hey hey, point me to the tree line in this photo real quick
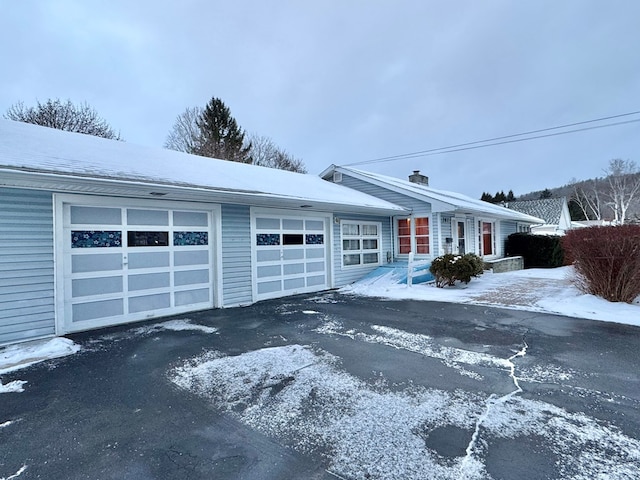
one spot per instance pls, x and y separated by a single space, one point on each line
209 131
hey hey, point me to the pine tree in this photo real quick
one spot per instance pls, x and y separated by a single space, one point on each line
511 197
499 197
486 197
546 193
220 137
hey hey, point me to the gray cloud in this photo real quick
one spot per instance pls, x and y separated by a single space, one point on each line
341 82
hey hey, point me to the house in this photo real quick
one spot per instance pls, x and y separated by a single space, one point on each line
553 211
96 232
435 221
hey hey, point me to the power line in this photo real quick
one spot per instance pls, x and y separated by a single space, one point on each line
473 145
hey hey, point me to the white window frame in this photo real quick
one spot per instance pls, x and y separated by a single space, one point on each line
414 244
360 237
494 237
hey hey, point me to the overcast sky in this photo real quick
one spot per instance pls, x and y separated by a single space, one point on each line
349 81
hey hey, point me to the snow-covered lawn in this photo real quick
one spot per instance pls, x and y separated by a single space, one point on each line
543 290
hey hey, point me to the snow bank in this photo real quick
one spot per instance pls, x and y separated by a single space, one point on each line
548 290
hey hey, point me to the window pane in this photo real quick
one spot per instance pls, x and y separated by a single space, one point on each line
148 239
422 245
370 244
101 215
147 217
292 239
370 230
370 258
404 244
350 229
351 259
351 244
422 226
404 227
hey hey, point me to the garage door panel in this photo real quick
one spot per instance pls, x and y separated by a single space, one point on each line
144 303
138 263
96 262
149 260
191 277
95 310
83 287
149 281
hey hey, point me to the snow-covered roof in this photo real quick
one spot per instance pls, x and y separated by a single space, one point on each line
441 200
32 156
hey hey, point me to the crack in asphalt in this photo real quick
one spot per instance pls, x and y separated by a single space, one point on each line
492 401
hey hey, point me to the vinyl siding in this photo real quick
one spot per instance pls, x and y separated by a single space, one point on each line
236 255
26 265
506 229
418 207
347 275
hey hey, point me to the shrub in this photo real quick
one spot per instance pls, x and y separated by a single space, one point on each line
607 260
449 268
538 251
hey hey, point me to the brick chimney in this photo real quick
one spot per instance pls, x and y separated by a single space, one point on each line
418 178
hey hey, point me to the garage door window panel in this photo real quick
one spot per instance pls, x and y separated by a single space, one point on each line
95 215
96 238
147 217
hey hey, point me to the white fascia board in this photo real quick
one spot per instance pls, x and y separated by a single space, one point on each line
120 188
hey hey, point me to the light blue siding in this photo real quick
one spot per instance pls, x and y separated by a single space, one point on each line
236 255
26 265
347 275
506 228
417 207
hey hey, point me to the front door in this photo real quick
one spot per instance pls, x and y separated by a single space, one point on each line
461 239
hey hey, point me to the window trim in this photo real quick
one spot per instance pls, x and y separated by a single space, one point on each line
413 237
360 237
494 237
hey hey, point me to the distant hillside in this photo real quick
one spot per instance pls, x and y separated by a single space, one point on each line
569 189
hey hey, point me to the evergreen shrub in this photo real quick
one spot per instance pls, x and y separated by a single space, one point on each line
606 260
538 251
449 268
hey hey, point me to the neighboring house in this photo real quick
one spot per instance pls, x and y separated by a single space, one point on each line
97 232
435 221
553 211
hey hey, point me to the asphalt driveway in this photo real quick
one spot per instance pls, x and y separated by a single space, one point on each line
328 386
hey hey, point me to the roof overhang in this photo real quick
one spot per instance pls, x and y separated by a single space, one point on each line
88 185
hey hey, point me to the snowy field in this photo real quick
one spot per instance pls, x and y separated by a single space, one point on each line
548 290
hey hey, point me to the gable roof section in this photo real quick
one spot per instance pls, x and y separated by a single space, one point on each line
32 156
548 209
440 200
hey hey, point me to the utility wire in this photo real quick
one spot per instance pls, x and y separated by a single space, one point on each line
473 145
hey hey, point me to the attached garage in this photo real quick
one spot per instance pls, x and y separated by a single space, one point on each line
291 253
96 232
120 263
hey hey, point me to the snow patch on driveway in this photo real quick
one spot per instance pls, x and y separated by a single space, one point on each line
302 397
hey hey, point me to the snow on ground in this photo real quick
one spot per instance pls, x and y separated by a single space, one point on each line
542 290
176 326
302 397
19 356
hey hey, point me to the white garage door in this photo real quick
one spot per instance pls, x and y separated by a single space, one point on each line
290 255
122 264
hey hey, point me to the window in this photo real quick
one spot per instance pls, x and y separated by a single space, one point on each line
422 235
413 237
360 243
486 234
404 235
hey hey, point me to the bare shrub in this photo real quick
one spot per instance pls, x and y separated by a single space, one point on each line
607 260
